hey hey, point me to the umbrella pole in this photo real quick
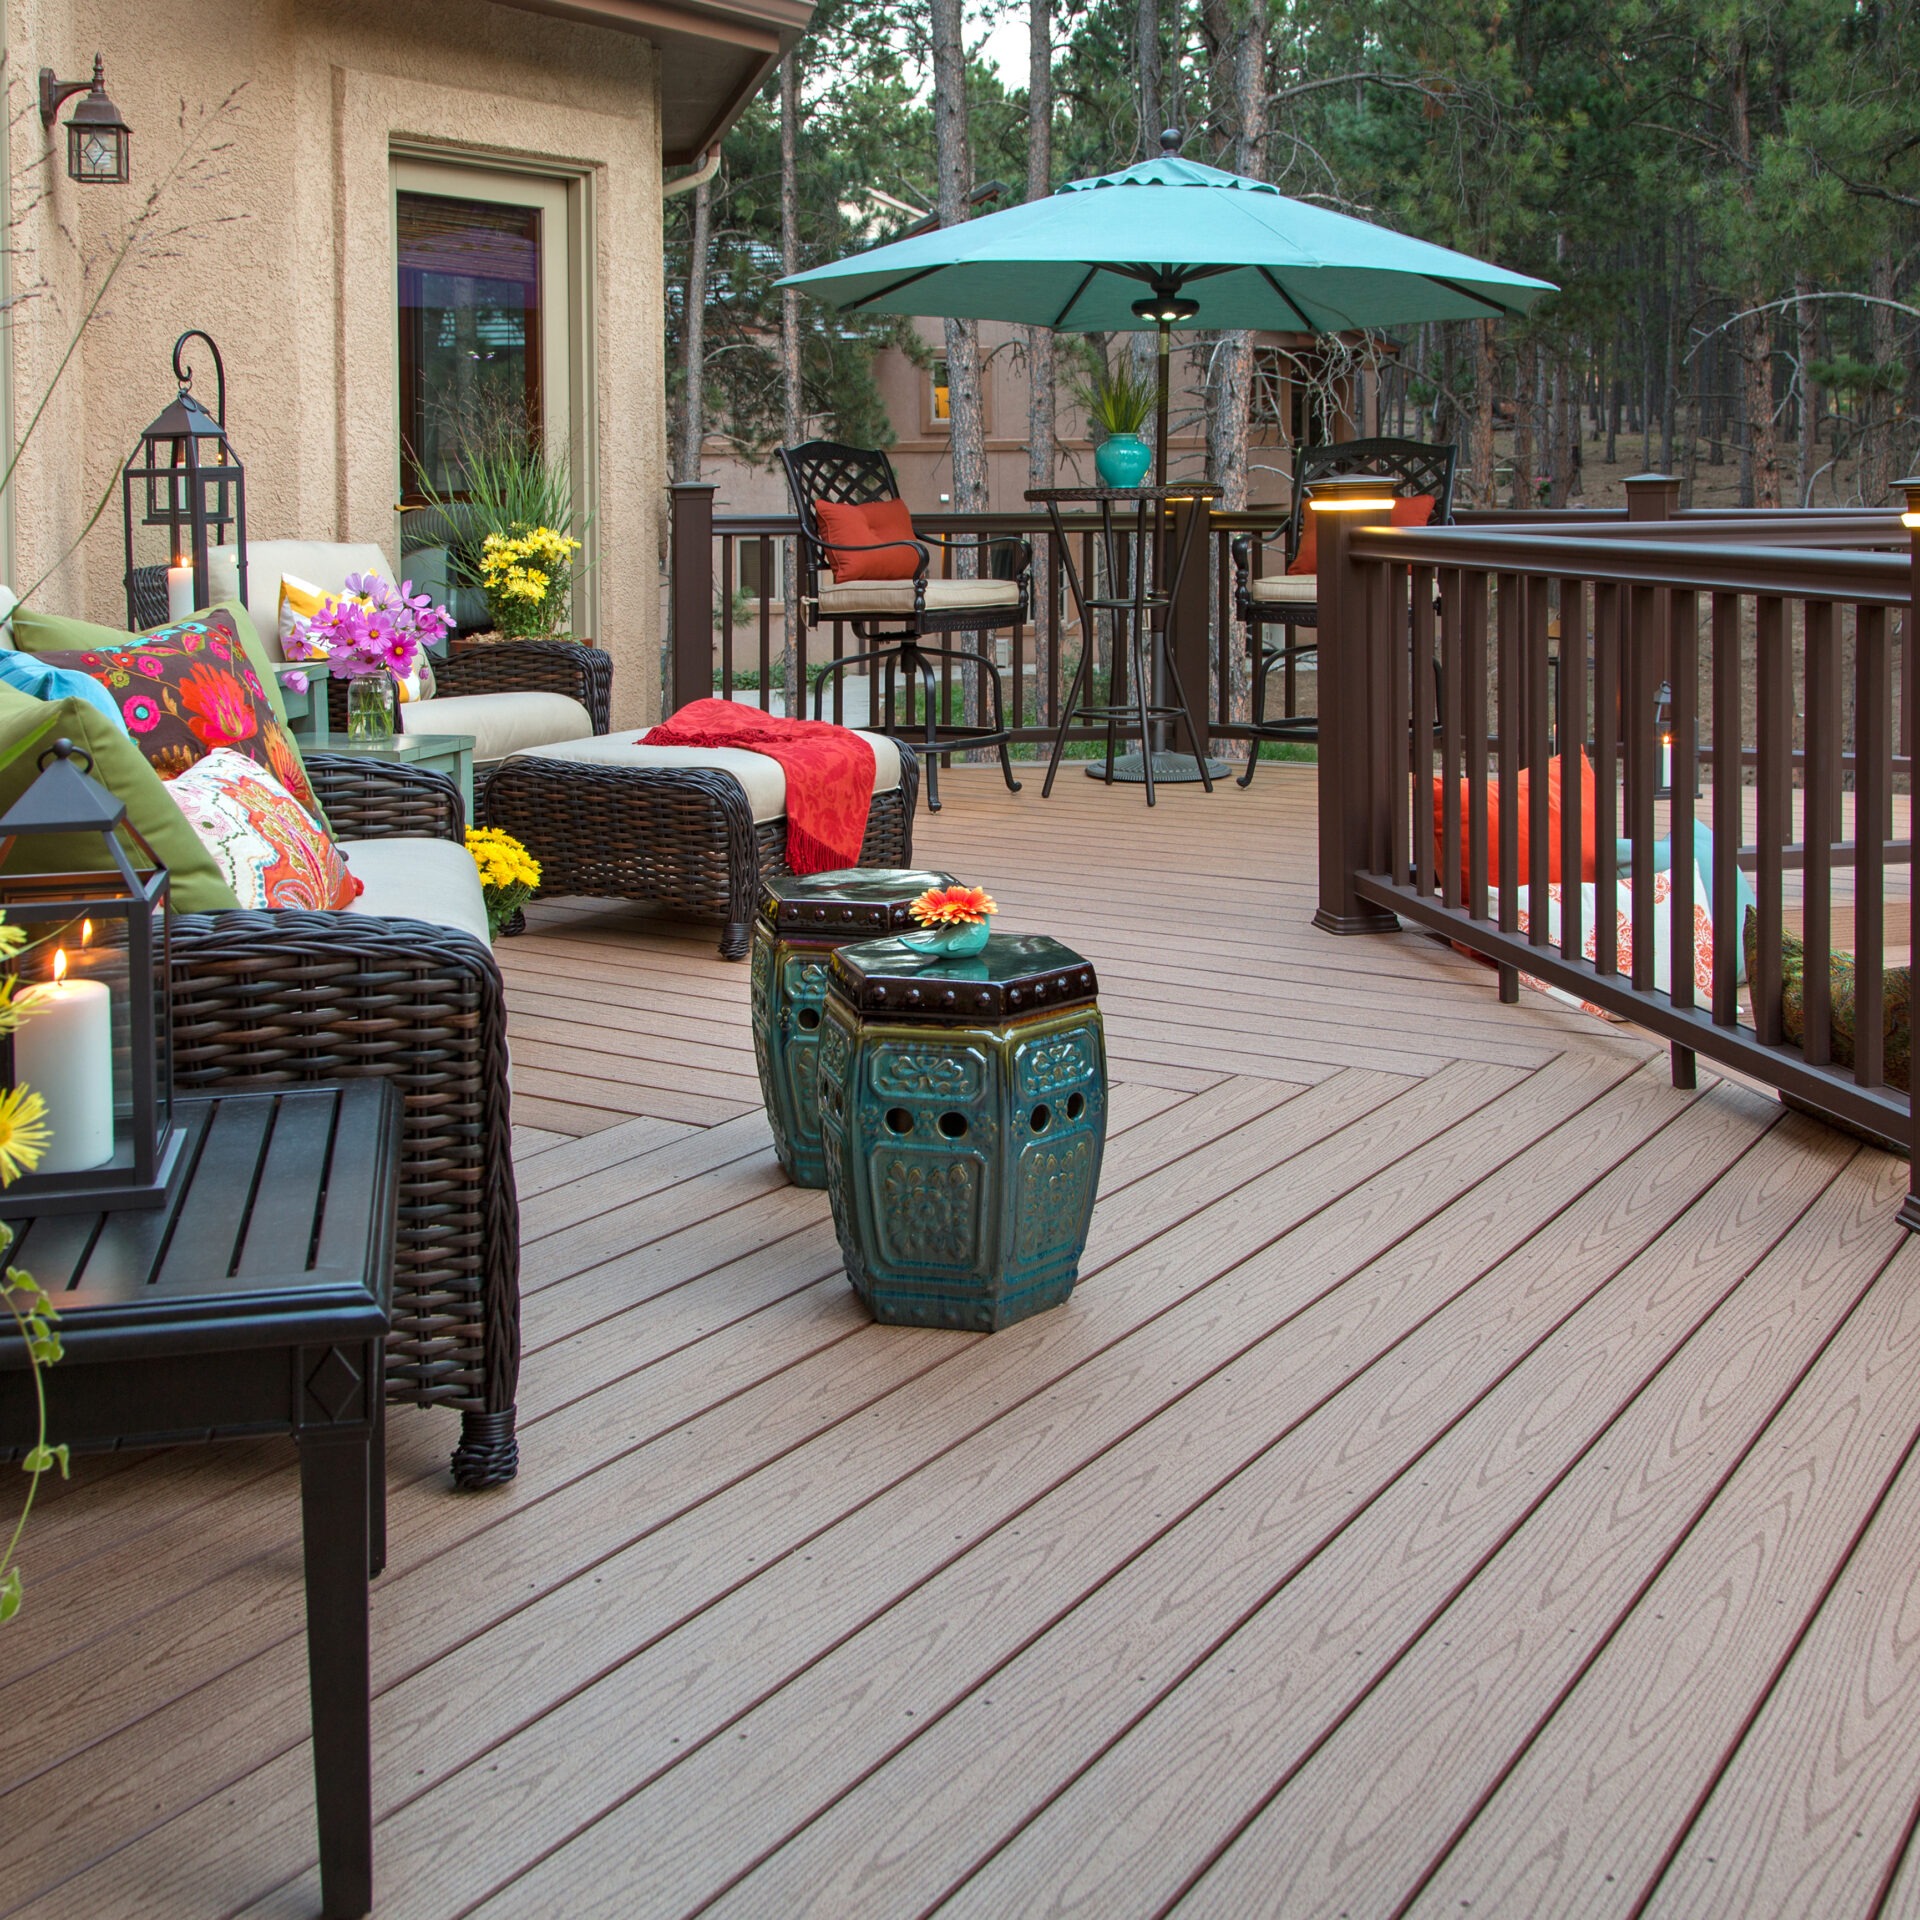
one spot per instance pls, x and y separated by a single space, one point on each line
1160 425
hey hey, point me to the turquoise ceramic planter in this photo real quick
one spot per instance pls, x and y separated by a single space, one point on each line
1122 460
801 919
963 1110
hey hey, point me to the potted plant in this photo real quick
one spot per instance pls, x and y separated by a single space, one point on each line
1118 403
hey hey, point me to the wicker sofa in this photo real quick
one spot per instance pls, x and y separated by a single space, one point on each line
292 996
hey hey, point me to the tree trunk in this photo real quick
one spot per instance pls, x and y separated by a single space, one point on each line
1146 27
1876 439
1760 450
1237 30
1486 366
1807 319
1042 449
792 404
1523 383
693 398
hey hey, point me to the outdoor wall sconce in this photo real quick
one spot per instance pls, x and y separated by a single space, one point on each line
97 1047
187 478
99 142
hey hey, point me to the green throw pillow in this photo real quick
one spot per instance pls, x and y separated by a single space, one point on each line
36 632
28 727
1896 1003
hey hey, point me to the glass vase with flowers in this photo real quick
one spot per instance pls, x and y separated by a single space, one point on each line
374 637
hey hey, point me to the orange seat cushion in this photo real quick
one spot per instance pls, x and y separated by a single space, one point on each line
867 526
1523 786
1411 510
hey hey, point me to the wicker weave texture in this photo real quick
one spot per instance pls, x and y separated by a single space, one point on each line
680 838
277 997
582 673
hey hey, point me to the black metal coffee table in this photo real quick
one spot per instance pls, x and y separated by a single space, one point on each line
253 1301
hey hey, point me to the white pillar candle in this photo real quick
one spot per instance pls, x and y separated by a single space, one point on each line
63 1050
180 593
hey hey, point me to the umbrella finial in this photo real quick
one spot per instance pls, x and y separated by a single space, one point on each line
1170 141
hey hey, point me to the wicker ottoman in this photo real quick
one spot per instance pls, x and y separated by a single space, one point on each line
691 829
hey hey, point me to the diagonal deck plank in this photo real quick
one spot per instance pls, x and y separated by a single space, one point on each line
1169 1596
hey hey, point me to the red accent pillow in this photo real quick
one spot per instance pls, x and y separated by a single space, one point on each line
1523 786
186 690
1409 510
867 526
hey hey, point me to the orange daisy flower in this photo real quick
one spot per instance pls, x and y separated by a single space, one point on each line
952 906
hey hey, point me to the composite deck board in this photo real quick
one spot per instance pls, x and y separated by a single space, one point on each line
1413 1330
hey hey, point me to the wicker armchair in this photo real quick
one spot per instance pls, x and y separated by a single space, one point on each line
892 617
1289 604
284 996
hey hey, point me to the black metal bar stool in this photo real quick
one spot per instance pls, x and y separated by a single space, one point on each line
1145 563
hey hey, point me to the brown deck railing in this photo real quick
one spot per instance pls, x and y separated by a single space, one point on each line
714 639
1455 658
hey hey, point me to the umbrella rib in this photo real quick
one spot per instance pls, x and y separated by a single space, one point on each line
881 293
1060 319
1467 293
1307 326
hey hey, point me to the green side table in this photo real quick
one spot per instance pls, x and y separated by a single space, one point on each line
802 919
448 753
306 706
963 1109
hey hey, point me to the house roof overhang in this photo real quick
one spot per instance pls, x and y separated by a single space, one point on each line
714 54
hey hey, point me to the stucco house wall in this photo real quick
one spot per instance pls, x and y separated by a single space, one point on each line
278 241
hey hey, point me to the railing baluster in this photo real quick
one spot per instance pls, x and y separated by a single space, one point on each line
727 578
1573 753
1453 707
1872 790
1774 699
1822 827
1606 737
1474 665
1420 745
1508 695
1641 746
1396 749
1533 631
766 622
1683 671
1729 826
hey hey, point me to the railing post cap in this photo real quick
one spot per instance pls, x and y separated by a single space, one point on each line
1910 486
1651 480
694 486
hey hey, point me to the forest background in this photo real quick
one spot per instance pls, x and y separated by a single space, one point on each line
1727 193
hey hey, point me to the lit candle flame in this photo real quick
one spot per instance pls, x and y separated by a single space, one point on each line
59 965
86 933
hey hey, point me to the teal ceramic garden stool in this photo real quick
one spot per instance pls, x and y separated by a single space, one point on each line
963 1106
802 918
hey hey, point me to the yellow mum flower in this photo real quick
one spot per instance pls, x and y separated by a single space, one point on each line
24 1136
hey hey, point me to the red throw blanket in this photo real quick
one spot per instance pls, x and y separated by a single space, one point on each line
829 774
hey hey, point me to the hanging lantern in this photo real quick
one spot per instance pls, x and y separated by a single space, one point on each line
185 478
94 1040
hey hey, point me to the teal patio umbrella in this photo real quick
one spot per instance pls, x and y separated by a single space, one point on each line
1171 243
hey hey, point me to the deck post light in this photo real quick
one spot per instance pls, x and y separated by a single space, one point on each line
99 142
187 478
95 1039
1910 487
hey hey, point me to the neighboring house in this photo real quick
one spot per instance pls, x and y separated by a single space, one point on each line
414 200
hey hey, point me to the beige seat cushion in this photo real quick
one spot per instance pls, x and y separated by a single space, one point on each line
764 781
1284 589
431 880
846 599
500 723
322 563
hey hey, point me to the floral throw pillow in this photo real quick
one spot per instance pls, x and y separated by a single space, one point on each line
271 849
188 689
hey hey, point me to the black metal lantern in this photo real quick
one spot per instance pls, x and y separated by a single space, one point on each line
186 478
94 1040
99 142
